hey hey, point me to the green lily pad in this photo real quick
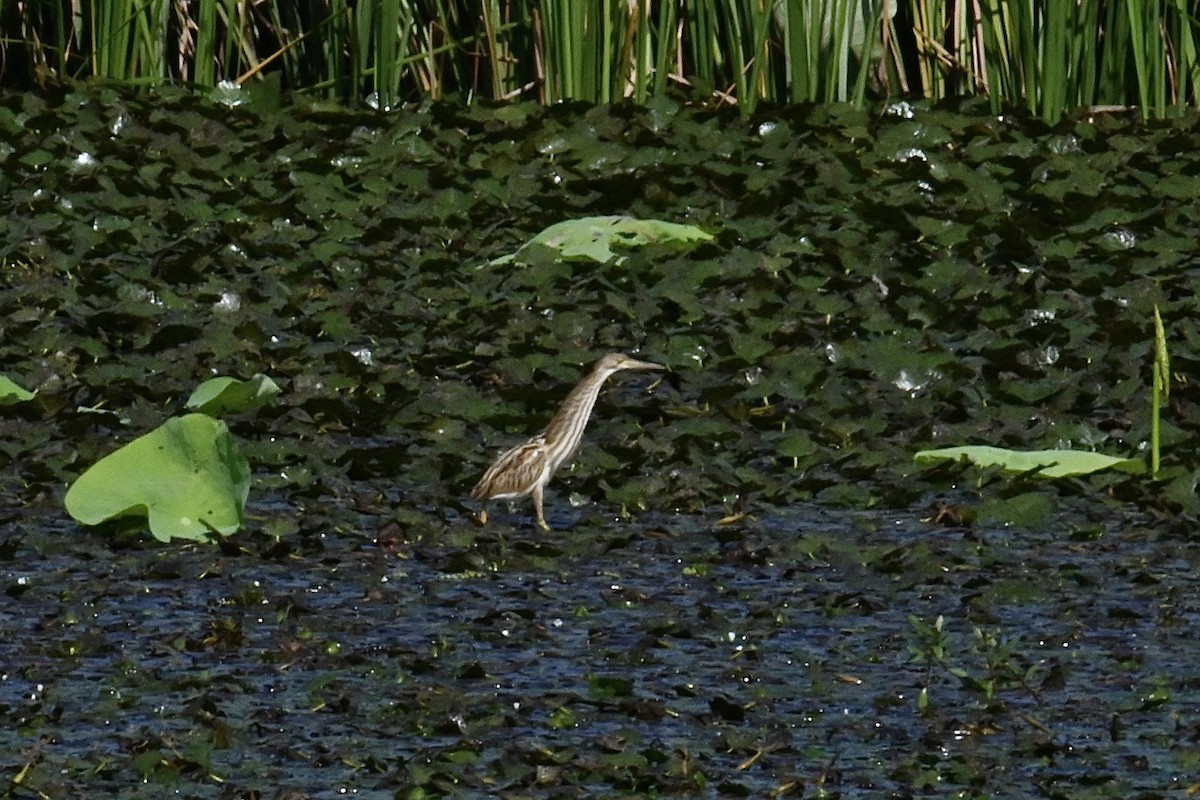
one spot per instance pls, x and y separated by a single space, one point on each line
599 238
11 393
1043 463
187 477
229 395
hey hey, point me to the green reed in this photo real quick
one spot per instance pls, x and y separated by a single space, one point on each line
1047 56
1160 390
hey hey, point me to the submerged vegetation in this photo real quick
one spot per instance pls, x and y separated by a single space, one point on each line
1046 57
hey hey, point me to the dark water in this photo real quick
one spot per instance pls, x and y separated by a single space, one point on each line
676 656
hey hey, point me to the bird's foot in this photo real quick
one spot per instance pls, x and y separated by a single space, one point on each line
482 518
543 525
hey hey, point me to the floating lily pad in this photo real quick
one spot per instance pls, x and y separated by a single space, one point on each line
1043 463
229 395
187 477
600 238
11 393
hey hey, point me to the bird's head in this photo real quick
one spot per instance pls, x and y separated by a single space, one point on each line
615 362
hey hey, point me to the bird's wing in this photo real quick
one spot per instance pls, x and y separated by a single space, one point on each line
515 473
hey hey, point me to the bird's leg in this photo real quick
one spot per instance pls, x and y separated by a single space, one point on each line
537 508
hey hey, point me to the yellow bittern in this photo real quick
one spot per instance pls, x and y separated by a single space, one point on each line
526 469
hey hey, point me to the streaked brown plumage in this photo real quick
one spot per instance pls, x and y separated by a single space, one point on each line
527 468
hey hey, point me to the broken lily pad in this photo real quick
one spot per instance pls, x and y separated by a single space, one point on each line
600 238
226 395
187 477
1042 463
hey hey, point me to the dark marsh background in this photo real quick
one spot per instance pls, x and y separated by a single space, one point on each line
744 593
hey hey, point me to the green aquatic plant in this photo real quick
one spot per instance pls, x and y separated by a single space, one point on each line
985 665
229 395
602 239
792 344
1067 463
187 477
1046 57
1160 390
1040 463
11 392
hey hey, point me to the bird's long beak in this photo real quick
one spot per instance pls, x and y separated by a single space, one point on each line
633 363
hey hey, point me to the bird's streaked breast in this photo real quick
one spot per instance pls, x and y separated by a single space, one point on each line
515 473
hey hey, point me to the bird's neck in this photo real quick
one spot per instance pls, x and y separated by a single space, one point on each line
568 424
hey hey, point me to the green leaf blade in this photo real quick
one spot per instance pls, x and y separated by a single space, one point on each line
226 395
1042 463
187 477
12 393
602 239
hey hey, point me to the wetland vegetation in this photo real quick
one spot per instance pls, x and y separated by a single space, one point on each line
1047 57
753 589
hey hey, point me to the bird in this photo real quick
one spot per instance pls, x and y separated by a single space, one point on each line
527 468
